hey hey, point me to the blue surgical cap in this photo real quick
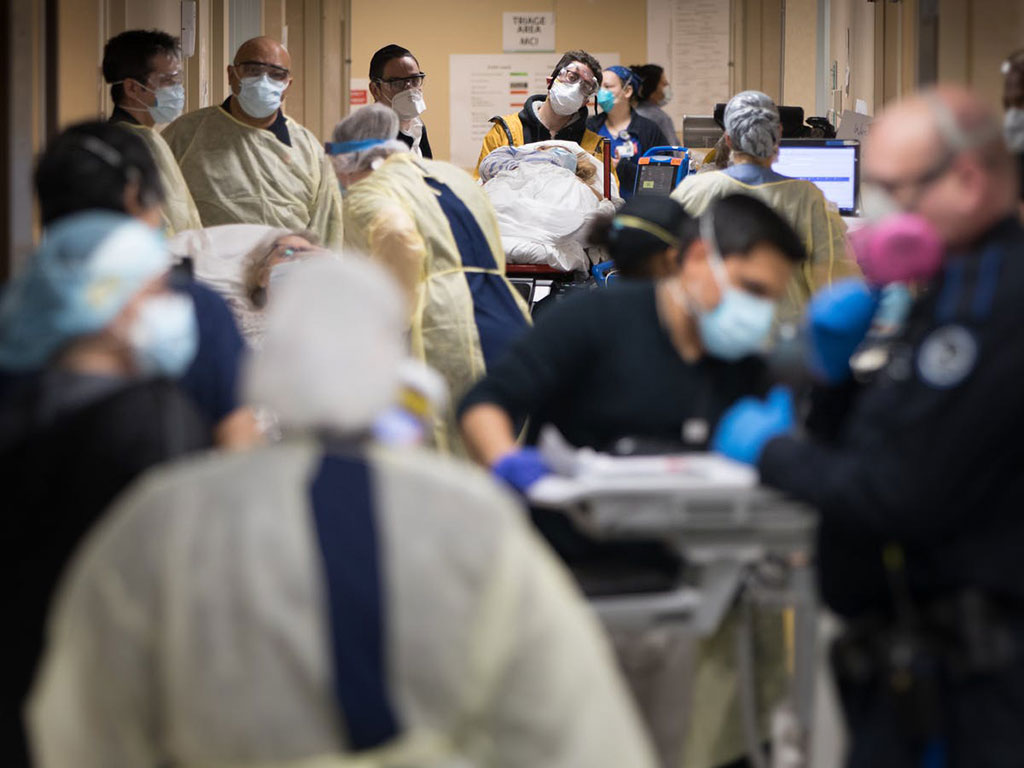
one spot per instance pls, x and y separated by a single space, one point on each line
88 267
627 76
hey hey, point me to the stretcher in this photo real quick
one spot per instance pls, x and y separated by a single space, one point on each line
743 546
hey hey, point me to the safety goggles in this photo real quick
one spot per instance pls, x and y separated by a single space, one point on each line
402 83
258 69
571 75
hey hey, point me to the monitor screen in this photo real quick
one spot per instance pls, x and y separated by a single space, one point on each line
656 179
831 165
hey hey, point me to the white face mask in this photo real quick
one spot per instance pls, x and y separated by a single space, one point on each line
565 99
1013 129
165 336
409 103
666 96
260 96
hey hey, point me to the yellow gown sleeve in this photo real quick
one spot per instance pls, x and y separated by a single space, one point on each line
326 217
179 212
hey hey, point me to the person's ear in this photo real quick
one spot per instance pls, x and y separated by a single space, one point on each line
134 91
728 141
375 91
287 88
549 81
234 83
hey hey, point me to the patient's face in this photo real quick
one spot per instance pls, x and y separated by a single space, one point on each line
285 249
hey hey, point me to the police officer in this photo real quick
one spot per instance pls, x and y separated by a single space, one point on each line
918 475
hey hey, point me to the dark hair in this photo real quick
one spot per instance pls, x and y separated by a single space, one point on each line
743 222
650 79
632 248
1013 82
89 165
380 59
129 56
581 56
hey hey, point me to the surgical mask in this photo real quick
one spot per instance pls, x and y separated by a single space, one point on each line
899 248
409 104
1013 129
605 99
740 324
165 336
565 99
666 96
260 97
170 102
564 158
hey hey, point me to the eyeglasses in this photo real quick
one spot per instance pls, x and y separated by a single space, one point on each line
919 183
259 68
402 83
571 76
167 79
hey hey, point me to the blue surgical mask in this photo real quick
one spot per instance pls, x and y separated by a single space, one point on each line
165 335
260 96
170 101
740 324
605 99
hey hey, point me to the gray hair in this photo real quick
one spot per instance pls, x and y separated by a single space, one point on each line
373 122
752 122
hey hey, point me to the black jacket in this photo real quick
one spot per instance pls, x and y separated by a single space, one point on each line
928 456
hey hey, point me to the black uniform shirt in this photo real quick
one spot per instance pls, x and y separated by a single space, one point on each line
930 455
600 366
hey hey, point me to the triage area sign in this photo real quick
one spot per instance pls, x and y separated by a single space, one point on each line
528 31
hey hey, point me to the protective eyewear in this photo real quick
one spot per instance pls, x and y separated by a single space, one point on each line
166 80
572 76
402 83
920 183
259 68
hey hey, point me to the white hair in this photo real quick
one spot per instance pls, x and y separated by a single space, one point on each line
335 341
373 122
752 122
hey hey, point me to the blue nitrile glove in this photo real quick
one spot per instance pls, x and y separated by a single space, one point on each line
747 427
838 319
521 468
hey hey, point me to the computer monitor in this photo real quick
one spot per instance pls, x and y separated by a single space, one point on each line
700 131
832 165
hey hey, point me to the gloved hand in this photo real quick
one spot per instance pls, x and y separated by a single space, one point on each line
747 427
521 468
838 319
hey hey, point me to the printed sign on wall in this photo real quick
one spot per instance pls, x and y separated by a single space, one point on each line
528 31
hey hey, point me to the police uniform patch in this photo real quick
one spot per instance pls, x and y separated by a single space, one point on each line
947 356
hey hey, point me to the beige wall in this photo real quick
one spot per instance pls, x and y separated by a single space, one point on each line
435 30
858 17
974 38
800 86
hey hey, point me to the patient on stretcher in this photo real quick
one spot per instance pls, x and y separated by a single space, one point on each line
546 195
